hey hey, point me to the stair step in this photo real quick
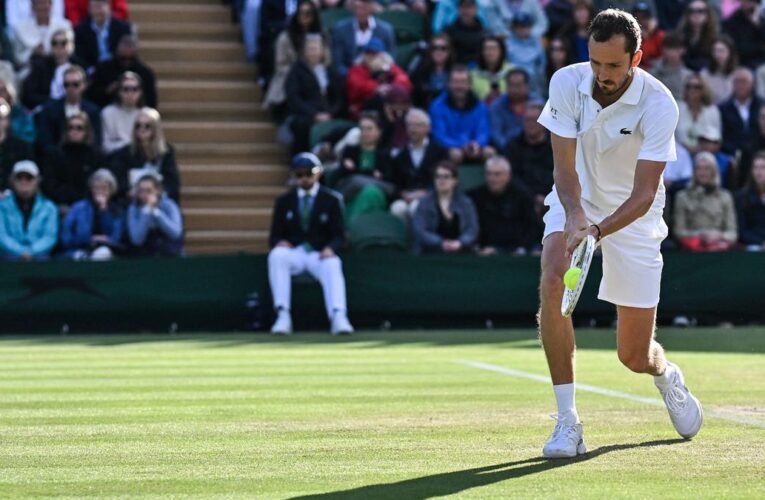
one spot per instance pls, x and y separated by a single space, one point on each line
216 153
159 51
179 12
220 132
209 32
214 219
191 71
226 241
230 196
233 175
210 90
215 111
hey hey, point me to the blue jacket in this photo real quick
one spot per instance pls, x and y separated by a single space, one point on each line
506 125
453 128
77 229
158 231
41 233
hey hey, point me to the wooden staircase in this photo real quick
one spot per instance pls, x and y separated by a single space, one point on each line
231 166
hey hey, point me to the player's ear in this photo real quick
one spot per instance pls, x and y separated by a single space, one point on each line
636 59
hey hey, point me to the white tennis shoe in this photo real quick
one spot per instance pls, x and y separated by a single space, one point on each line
283 323
684 409
340 324
566 441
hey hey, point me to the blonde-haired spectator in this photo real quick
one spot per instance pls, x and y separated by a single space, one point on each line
697 113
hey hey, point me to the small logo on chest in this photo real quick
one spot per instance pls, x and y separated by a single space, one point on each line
624 131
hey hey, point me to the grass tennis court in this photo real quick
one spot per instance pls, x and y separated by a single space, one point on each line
377 415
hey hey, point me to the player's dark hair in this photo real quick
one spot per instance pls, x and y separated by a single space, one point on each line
613 22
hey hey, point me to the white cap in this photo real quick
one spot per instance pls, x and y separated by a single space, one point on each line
26 167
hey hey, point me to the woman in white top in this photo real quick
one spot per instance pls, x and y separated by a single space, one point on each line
719 74
697 113
118 119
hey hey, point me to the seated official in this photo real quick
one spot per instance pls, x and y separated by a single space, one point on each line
412 168
506 214
93 227
445 220
28 220
154 222
307 231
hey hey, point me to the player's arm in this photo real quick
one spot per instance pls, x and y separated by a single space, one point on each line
647 178
569 189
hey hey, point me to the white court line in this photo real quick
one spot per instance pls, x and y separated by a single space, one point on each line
605 392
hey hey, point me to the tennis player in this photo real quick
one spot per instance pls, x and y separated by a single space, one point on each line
612 127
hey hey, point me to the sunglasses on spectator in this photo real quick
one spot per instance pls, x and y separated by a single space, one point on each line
303 173
59 43
72 85
698 11
557 48
78 127
129 89
305 12
444 177
143 126
439 47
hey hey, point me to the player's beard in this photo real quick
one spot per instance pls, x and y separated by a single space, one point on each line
619 87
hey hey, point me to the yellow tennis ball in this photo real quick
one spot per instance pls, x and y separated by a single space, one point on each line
571 278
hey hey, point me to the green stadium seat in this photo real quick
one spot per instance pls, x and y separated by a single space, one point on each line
408 26
404 53
330 17
320 130
376 231
471 176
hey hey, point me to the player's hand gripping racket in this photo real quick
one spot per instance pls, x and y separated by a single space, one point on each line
581 259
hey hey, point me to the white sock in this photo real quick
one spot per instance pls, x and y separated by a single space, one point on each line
665 378
565 397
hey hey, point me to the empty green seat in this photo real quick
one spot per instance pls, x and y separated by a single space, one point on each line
378 230
471 176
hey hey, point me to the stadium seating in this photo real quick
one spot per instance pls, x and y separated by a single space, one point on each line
377 231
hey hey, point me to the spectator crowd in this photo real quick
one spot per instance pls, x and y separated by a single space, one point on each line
405 100
85 170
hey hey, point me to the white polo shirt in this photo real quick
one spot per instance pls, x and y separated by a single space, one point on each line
610 141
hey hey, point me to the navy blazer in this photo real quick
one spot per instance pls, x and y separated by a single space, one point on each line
51 122
344 50
86 43
735 135
325 229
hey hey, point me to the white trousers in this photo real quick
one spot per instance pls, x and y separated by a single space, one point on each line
284 263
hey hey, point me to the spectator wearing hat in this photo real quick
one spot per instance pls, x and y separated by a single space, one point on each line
670 69
313 92
93 227
412 168
506 216
652 36
747 29
28 220
104 86
697 112
750 207
489 75
445 220
704 213
506 113
532 157
96 38
32 36
12 149
373 75
460 120
466 33
154 221
526 51
739 113
68 166
51 121
350 35
307 232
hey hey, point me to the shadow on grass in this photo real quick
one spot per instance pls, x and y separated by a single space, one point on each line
450 483
737 340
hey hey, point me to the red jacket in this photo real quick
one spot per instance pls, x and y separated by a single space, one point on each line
77 10
361 85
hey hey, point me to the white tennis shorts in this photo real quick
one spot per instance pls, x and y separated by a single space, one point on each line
632 260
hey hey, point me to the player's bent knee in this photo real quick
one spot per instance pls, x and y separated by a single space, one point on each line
637 362
551 282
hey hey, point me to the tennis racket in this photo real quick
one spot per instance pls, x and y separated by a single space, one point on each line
581 258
